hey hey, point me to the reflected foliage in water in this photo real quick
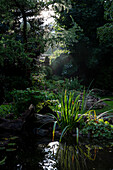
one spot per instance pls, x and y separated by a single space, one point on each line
80 157
29 153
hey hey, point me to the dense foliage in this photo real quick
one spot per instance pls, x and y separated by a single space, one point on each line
84 34
21 40
86 28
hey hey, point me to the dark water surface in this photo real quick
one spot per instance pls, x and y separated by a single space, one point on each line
34 153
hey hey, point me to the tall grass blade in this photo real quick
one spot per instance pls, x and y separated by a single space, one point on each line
75 104
77 110
54 127
95 116
62 110
101 100
70 103
102 114
66 109
2 162
89 91
63 132
110 116
77 135
84 102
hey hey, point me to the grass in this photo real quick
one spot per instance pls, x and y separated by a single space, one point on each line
108 107
69 109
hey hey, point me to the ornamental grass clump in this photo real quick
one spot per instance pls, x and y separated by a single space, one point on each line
68 114
72 113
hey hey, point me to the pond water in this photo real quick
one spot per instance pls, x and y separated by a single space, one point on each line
34 153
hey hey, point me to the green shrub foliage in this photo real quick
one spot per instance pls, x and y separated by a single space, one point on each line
90 40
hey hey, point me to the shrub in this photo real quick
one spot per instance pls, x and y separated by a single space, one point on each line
73 83
23 98
96 127
5 109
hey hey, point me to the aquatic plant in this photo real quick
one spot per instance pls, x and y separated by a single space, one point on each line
72 113
71 156
69 113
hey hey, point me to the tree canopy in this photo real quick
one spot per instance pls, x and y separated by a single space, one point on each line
19 45
92 45
83 27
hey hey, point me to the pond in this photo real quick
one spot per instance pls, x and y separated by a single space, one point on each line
34 153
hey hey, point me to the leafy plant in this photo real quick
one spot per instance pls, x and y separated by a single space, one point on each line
23 98
5 109
96 126
72 112
98 129
70 109
73 83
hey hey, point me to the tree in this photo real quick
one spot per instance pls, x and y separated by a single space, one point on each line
21 10
94 44
19 47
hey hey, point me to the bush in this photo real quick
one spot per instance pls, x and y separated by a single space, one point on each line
23 98
5 109
73 83
98 129
15 65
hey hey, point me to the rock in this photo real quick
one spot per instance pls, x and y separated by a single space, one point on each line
19 124
28 113
42 119
41 132
13 125
44 124
101 92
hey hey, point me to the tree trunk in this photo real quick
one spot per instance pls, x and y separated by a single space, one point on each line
24 29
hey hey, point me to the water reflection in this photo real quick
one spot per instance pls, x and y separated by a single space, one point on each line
26 156
28 153
50 160
77 157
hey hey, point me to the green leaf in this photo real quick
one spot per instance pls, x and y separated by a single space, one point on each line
13 137
63 132
66 110
11 149
11 144
54 127
2 162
